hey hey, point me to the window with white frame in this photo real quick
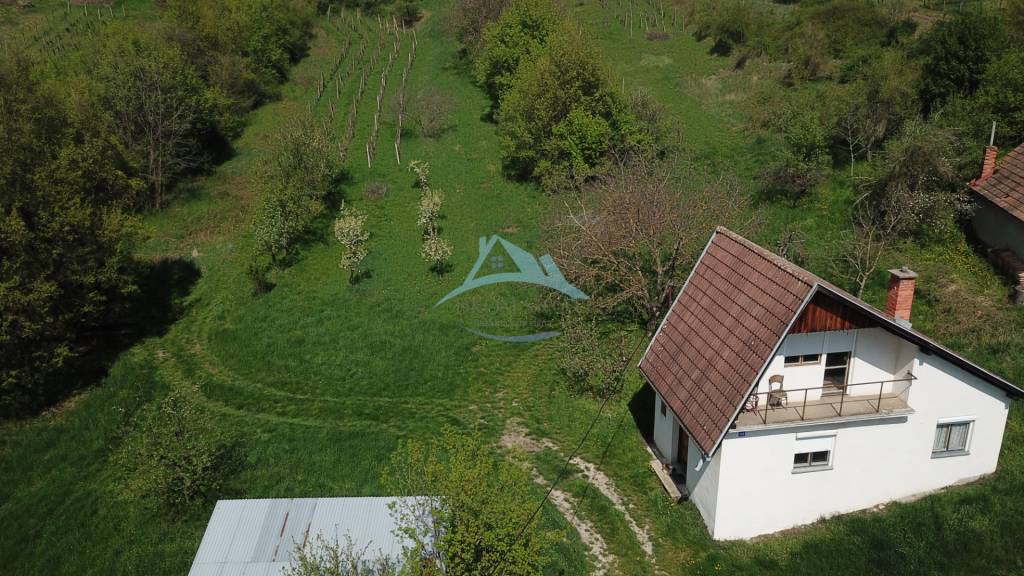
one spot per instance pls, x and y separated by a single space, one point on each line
951 438
802 359
813 451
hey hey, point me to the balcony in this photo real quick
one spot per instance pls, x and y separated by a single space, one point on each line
850 401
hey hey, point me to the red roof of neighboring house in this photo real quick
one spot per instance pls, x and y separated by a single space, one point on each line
1005 187
728 322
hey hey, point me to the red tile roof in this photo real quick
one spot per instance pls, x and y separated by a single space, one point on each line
721 331
727 323
1005 188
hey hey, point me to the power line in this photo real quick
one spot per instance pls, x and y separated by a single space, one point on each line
572 455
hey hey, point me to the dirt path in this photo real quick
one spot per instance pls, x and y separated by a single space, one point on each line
605 486
516 436
567 505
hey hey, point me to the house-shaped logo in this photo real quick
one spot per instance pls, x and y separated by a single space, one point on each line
527 269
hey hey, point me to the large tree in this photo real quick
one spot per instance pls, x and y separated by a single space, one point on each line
65 262
158 104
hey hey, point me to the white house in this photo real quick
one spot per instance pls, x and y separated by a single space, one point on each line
782 399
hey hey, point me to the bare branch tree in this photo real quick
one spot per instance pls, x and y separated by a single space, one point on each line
913 190
630 237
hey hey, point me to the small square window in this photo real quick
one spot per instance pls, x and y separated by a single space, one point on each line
951 438
811 460
664 412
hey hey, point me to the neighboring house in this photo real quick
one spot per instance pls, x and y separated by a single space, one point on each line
258 537
999 212
781 399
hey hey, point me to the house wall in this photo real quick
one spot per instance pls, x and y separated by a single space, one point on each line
998 229
701 474
877 356
702 477
666 431
873 461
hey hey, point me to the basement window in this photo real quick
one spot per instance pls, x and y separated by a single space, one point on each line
951 439
813 451
803 359
812 460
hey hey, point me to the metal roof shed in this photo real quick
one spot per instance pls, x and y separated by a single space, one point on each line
258 537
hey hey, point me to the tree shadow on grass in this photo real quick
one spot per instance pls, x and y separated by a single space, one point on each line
159 302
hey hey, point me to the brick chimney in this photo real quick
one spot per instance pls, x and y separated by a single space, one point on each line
901 294
988 166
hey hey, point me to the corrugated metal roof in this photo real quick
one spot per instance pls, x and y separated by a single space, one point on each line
258 537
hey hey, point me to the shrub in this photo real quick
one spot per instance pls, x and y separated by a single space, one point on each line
469 19
304 158
731 24
805 160
431 113
791 178
592 362
955 54
297 183
521 32
913 188
257 271
478 517
560 118
1002 96
175 454
350 231
429 209
375 190
436 251
407 12
333 558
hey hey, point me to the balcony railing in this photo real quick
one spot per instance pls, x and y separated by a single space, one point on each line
802 404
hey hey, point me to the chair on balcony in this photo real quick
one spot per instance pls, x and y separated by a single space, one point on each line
776 394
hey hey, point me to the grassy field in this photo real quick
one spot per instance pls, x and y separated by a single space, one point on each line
321 378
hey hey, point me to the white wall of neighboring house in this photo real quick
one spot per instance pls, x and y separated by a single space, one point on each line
998 229
872 461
